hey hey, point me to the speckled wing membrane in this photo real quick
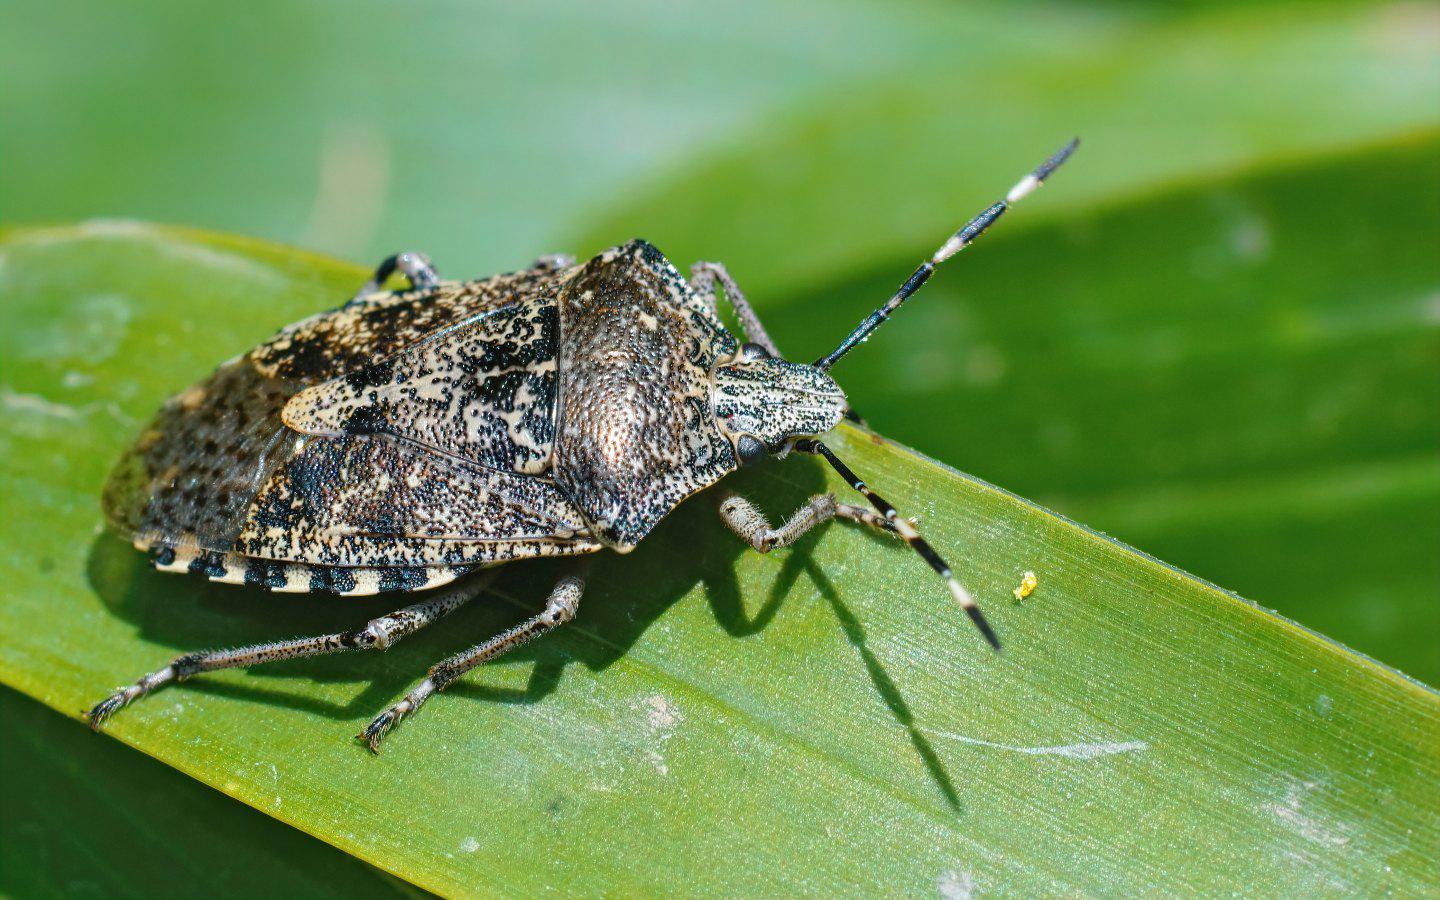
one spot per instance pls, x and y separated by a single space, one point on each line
385 482
482 390
374 327
379 501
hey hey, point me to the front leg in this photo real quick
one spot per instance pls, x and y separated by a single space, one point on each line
743 518
416 267
704 276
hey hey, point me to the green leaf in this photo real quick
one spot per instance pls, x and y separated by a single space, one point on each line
1239 376
715 721
92 818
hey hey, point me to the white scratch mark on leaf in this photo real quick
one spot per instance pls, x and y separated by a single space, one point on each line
662 717
84 332
274 780
1291 812
1070 751
169 242
956 885
37 416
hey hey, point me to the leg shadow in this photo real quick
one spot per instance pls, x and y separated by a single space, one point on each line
187 613
624 596
884 685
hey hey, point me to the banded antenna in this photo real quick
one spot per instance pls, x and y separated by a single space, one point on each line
957 242
908 533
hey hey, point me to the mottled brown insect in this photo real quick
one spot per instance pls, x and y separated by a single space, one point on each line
408 438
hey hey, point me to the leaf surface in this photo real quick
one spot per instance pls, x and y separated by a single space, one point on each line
715 720
1242 377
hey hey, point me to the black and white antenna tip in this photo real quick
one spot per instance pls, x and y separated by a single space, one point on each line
972 609
1025 186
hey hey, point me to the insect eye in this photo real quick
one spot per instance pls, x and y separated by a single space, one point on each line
749 449
754 351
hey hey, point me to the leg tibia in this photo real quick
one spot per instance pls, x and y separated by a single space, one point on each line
561 608
377 634
564 601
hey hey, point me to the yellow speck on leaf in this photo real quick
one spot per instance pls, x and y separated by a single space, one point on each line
1028 582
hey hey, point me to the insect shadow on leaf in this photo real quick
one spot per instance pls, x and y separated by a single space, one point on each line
627 594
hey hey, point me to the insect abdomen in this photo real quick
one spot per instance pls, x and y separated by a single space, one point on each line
191 476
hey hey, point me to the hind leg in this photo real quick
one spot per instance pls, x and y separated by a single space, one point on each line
377 634
559 609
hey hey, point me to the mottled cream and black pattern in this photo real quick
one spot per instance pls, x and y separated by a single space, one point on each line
408 436
202 487
637 430
482 390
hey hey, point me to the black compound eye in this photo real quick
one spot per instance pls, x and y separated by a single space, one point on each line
754 351
749 449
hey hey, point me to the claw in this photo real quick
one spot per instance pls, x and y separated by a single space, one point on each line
375 732
123 697
106 708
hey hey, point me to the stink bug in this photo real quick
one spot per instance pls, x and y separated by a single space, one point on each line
406 438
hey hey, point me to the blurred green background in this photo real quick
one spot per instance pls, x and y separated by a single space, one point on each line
1215 336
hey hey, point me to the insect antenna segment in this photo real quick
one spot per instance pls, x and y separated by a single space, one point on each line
906 530
957 242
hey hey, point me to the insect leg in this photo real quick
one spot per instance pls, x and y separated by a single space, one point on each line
552 261
416 268
906 529
743 518
564 601
703 277
377 634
